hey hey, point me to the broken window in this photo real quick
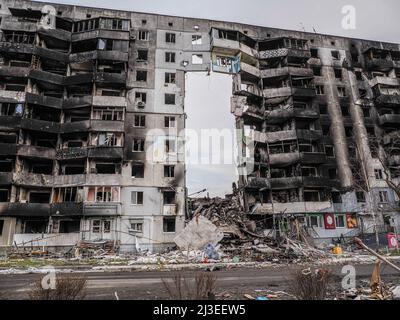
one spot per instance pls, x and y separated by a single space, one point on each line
378 174
169 171
111 93
170 37
348 132
345 111
309 172
4 195
109 140
143 55
340 220
197 59
19 37
383 196
315 221
360 195
169 197
366 112
67 226
170 57
317 71
169 224
311 196
6 165
196 40
338 73
359 76
141 75
68 194
106 168
139 121
170 122
138 171
342 91
39 197
170 77
143 35
108 113
138 145
35 226
319 90
114 24
335 55
11 109
169 99
1 227
137 197
96 226
323 109
332 173
103 194
336 197
141 97
314 53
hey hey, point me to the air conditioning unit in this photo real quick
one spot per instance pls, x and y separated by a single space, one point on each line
140 104
132 37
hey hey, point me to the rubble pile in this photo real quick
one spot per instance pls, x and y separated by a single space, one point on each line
243 239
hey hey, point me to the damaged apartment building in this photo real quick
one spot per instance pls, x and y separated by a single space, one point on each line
92 117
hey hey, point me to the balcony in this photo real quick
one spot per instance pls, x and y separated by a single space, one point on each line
232 47
258 183
8 149
18 209
73 127
308 92
249 69
286 183
389 119
388 100
170 210
32 179
282 115
43 101
101 209
286 71
13 24
285 52
77 79
110 78
110 126
394 160
72 153
50 54
106 153
104 101
40 125
13 72
57 34
384 81
36 152
293 207
10 123
99 179
12 96
320 182
16 48
283 159
99 33
69 180
99 55
48 77
273 137
383 65
47 239
67 209
77 102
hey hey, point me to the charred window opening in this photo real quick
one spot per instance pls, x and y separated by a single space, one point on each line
106 168
348 132
345 111
67 226
138 171
138 145
330 151
169 171
141 75
1 227
314 53
320 90
323 109
142 55
73 167
11 109
338 73
8 138
317 71
169 99
310 172
39 197
360 195
4 195
169 198
283 147
312 196
39 139
104 139
366 112
169 224
111 93
141 97
336 197
335 55
342 91
359 76
170 145
18 37
39 167
332 173
6 165
143 35
43 113
35 226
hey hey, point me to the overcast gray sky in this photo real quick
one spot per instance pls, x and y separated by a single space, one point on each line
208 106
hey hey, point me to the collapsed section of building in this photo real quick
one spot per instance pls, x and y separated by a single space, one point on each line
92 112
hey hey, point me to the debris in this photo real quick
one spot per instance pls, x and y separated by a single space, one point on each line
210 252
249 297
198 233
396 293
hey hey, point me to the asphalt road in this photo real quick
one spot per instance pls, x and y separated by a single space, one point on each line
148 285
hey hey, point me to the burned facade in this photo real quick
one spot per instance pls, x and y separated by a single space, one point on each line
92 112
